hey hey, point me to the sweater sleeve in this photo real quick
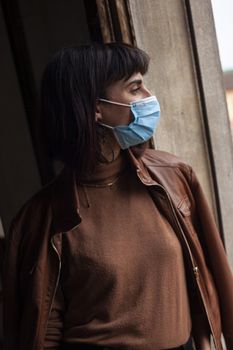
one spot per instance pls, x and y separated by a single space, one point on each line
54 331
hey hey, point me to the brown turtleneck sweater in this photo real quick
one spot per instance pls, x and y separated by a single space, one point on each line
123 278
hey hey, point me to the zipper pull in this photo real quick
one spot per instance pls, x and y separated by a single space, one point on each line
196 272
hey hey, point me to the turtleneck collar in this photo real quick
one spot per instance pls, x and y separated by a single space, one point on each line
106 172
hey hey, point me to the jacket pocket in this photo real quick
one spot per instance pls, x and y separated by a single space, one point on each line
27 280
184 206
33 269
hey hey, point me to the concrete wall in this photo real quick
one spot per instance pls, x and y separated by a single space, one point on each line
161 30
185 74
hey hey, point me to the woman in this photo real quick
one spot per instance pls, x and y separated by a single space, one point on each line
120 250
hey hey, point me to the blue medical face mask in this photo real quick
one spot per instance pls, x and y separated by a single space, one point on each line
146 114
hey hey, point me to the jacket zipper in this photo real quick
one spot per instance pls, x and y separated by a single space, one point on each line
195 268
57 280
58 276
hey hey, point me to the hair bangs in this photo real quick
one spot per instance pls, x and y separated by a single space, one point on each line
123 61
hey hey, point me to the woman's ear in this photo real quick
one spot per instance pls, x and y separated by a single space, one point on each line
98 112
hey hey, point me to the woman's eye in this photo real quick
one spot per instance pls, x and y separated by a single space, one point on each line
135 90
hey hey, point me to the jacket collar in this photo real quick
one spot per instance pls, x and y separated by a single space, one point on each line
65 201
139 163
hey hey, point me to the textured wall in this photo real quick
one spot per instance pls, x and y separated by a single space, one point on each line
163 30
160 28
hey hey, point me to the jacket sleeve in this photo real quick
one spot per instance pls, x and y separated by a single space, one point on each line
217 260
11 304
54 331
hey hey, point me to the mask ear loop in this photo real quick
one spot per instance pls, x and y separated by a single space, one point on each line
114 103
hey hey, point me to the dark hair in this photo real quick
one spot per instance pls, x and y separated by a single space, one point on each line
72 82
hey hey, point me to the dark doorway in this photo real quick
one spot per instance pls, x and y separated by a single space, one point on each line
32 31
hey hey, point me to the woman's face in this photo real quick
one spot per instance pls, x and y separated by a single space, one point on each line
121 91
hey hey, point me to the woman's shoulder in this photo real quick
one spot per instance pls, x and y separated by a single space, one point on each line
159 158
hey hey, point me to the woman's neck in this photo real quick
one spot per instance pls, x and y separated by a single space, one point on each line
110 149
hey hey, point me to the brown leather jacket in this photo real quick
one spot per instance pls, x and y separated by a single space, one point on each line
33 258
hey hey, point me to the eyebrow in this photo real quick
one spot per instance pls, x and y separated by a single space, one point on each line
136 81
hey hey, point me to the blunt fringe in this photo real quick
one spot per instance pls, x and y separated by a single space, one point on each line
71 83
